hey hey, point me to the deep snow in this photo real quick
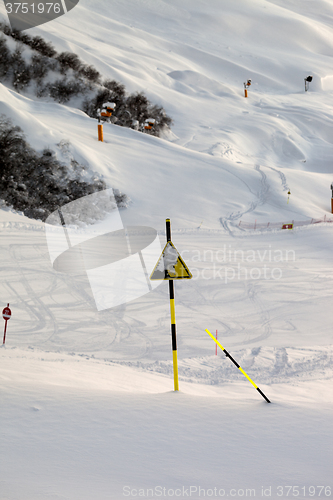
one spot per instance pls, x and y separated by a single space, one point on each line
87 402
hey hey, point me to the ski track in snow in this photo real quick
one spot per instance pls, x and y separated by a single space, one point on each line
116 328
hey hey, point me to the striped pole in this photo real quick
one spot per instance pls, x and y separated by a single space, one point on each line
173 318
236 364
216 345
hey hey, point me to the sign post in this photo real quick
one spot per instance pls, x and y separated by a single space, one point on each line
247 84
6 314
307 80
170 266
287 226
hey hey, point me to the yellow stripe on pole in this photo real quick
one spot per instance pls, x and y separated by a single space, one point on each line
217 342
236 364
175 371
246 375
173 311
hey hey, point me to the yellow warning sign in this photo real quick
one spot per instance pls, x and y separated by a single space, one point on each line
170 266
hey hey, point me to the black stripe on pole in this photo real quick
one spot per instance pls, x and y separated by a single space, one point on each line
62 220
263 395
174 339
168 229
173 325
236 364
232 359
171 290
168 237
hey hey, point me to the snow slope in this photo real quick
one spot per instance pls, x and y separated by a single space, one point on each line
87 403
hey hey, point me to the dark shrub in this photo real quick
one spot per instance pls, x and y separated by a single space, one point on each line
112 92
135 108
90 73
37 184
6 29
5 58
68 60
21 72
12 146
36 43
62 90
137 105
20 37
162 119
39 67
118 89
90 106
44 48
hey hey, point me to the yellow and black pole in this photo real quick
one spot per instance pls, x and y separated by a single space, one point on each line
170 266
173 317
239 368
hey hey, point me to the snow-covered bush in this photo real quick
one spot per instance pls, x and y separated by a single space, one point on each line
4 58
90 73
129 109
21 75
40 67
111 91
64 76
38 184
63 90
68 60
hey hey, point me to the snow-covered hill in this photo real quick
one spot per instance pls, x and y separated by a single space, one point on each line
87 409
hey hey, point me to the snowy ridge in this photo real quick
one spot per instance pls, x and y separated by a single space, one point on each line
266 365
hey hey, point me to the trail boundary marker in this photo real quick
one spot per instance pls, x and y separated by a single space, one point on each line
236 364
170 266
6 314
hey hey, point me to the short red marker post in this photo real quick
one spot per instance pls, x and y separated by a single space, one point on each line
6 314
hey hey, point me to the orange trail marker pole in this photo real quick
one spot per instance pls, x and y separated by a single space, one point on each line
100 132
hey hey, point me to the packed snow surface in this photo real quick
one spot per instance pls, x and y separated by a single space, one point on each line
87 402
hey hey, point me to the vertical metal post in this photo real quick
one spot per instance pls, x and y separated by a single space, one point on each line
100 132
173 318
4 335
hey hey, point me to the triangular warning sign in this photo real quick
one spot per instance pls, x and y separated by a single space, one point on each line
170 266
